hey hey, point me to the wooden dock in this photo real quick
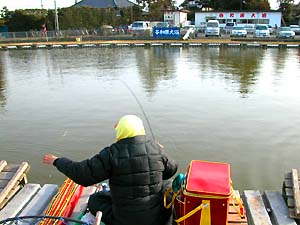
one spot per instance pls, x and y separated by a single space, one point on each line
18 198
200 43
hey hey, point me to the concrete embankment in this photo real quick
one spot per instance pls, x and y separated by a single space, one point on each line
213 42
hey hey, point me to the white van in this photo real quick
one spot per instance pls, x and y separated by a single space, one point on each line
212 28
141 28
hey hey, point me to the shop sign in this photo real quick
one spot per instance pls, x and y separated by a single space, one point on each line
164 32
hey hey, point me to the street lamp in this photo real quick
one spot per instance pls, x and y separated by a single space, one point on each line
56 19
241 4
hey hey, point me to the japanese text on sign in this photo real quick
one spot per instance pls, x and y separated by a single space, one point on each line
164 32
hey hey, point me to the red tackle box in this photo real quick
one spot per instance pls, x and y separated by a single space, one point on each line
209 184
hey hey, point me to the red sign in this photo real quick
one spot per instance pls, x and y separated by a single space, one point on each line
231 15
264 15
253 15
242 15
221 15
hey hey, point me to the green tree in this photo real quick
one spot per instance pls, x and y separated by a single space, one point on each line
25 20
286 7
155 7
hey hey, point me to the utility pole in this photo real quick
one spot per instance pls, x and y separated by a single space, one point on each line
56 20
41 4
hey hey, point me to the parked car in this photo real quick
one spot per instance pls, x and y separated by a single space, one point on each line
296 29
249 28
229 26
261 31
122 29
212 28
106 30
285 32
141 28
159 24
238 31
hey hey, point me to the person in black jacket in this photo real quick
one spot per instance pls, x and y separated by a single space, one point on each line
138 171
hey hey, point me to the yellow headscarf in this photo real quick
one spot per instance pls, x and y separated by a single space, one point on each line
129 126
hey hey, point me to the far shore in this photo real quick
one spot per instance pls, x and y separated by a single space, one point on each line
73 41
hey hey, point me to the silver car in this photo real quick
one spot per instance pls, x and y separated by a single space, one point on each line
238 31
261 31
295 28
285 32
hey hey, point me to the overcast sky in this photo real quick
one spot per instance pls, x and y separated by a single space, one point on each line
32 4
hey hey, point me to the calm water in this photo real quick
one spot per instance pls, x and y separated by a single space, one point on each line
240 106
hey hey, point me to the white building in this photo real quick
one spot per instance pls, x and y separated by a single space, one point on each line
241 17
176 18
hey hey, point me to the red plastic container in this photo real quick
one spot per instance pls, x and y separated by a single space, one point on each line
207 183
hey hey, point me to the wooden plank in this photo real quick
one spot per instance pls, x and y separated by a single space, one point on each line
11 168
235 218
279 210
290 202
3 164
257 212
289 192
296 191
233 214
288 176
39 203
20 200
81 205
13 182
3 184
6 175
288 183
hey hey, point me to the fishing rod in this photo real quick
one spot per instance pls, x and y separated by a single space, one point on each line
42 217
141 107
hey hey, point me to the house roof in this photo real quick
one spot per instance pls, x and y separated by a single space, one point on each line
105 3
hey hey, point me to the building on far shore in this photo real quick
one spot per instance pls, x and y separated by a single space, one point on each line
176 18
240 17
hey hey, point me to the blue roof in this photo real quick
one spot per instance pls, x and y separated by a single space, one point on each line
105 3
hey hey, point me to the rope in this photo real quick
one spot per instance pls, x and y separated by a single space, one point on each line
202 206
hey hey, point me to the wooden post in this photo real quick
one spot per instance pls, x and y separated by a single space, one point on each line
3 164
296 191
19 175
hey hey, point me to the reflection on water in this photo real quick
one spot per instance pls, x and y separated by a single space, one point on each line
235 105
2 86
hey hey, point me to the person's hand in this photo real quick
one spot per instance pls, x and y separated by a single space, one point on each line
49 159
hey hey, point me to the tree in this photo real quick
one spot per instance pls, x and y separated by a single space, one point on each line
25 20
155 7
286 7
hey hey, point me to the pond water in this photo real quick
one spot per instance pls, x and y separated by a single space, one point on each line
240 106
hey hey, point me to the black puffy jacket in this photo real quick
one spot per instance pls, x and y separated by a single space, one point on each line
136 169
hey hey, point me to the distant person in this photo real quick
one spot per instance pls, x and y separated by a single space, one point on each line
138 171
44 30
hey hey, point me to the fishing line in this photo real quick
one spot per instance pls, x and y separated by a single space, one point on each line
141 107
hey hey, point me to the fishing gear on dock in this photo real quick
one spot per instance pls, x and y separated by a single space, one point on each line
63 202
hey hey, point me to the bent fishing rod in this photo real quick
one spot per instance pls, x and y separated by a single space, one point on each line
141 107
